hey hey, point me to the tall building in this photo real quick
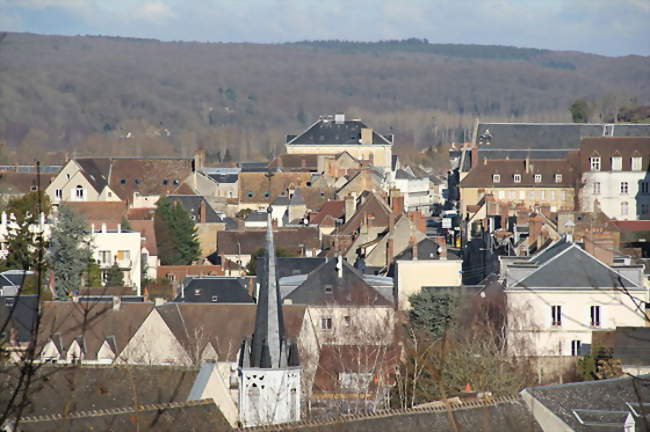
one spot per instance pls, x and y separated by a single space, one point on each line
269 367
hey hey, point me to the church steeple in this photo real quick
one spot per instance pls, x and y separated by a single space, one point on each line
269 328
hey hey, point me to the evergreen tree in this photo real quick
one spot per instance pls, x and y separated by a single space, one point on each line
70 252
114 276
175 233
124 223
23 236
93 274
433 312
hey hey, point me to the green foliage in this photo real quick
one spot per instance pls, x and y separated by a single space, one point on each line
579 111
93 274
175 233
70 252
23 237
433 312
243 213
125 224
251 267
114 276
587 368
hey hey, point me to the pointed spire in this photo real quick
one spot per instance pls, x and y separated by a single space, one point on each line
269 329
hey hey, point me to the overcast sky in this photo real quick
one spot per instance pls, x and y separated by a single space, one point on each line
609 27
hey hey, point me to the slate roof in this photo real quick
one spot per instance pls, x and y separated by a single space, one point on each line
427 250
96 170
20 312
572 267
215 290
327 132
256 216
195 416
249 241
13 277
19 183
323 287
606 147
632 345
61 389
225 326
481 175
297 198
543 140
291 266
94 321
192 204
403 175
499 414
609 395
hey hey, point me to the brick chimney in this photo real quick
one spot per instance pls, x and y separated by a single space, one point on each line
389 250
601 247
203 212
414 247
474 156
442 247
396 201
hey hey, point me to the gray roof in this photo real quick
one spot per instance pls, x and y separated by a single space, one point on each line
253 166
297 198
192 204
256 216
326 285
281 200
13 277
543 140
224 178
404 175
572 267
567 400
427 250
22 312
327 132
296 266
632 345
215 289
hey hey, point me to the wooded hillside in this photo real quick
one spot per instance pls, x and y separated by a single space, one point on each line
104 95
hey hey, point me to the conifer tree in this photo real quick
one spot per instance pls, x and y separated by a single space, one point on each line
175 233
70 252
114 276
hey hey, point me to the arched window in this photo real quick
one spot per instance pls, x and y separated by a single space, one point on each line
79 192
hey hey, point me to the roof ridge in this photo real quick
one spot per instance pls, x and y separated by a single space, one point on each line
117 410
479 403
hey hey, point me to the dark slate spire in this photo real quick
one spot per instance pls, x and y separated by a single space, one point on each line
267 345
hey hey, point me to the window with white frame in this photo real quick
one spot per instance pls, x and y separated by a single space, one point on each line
617 163
512 194
502 194
624 208
637 163
522 194
105 257
594 314
58 193
556 316
542 195
624 188
558 178
596 188
553 195
79 192
575 347
564 195
538 178
496 178
531 195
594 163
517 178
326 323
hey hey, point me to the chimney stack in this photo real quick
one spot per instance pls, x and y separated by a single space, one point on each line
366 135
474 157
350 207
203 212
117 302
414 247
442 247
396 201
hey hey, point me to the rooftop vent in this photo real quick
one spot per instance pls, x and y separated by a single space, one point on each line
339 118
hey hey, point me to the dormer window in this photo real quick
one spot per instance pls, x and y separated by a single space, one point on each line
329 289
250 194
538 178
617 163
177 181
517 178
215 299
558 178
594 163
137 181
165 182
123 181
496 178
637 163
